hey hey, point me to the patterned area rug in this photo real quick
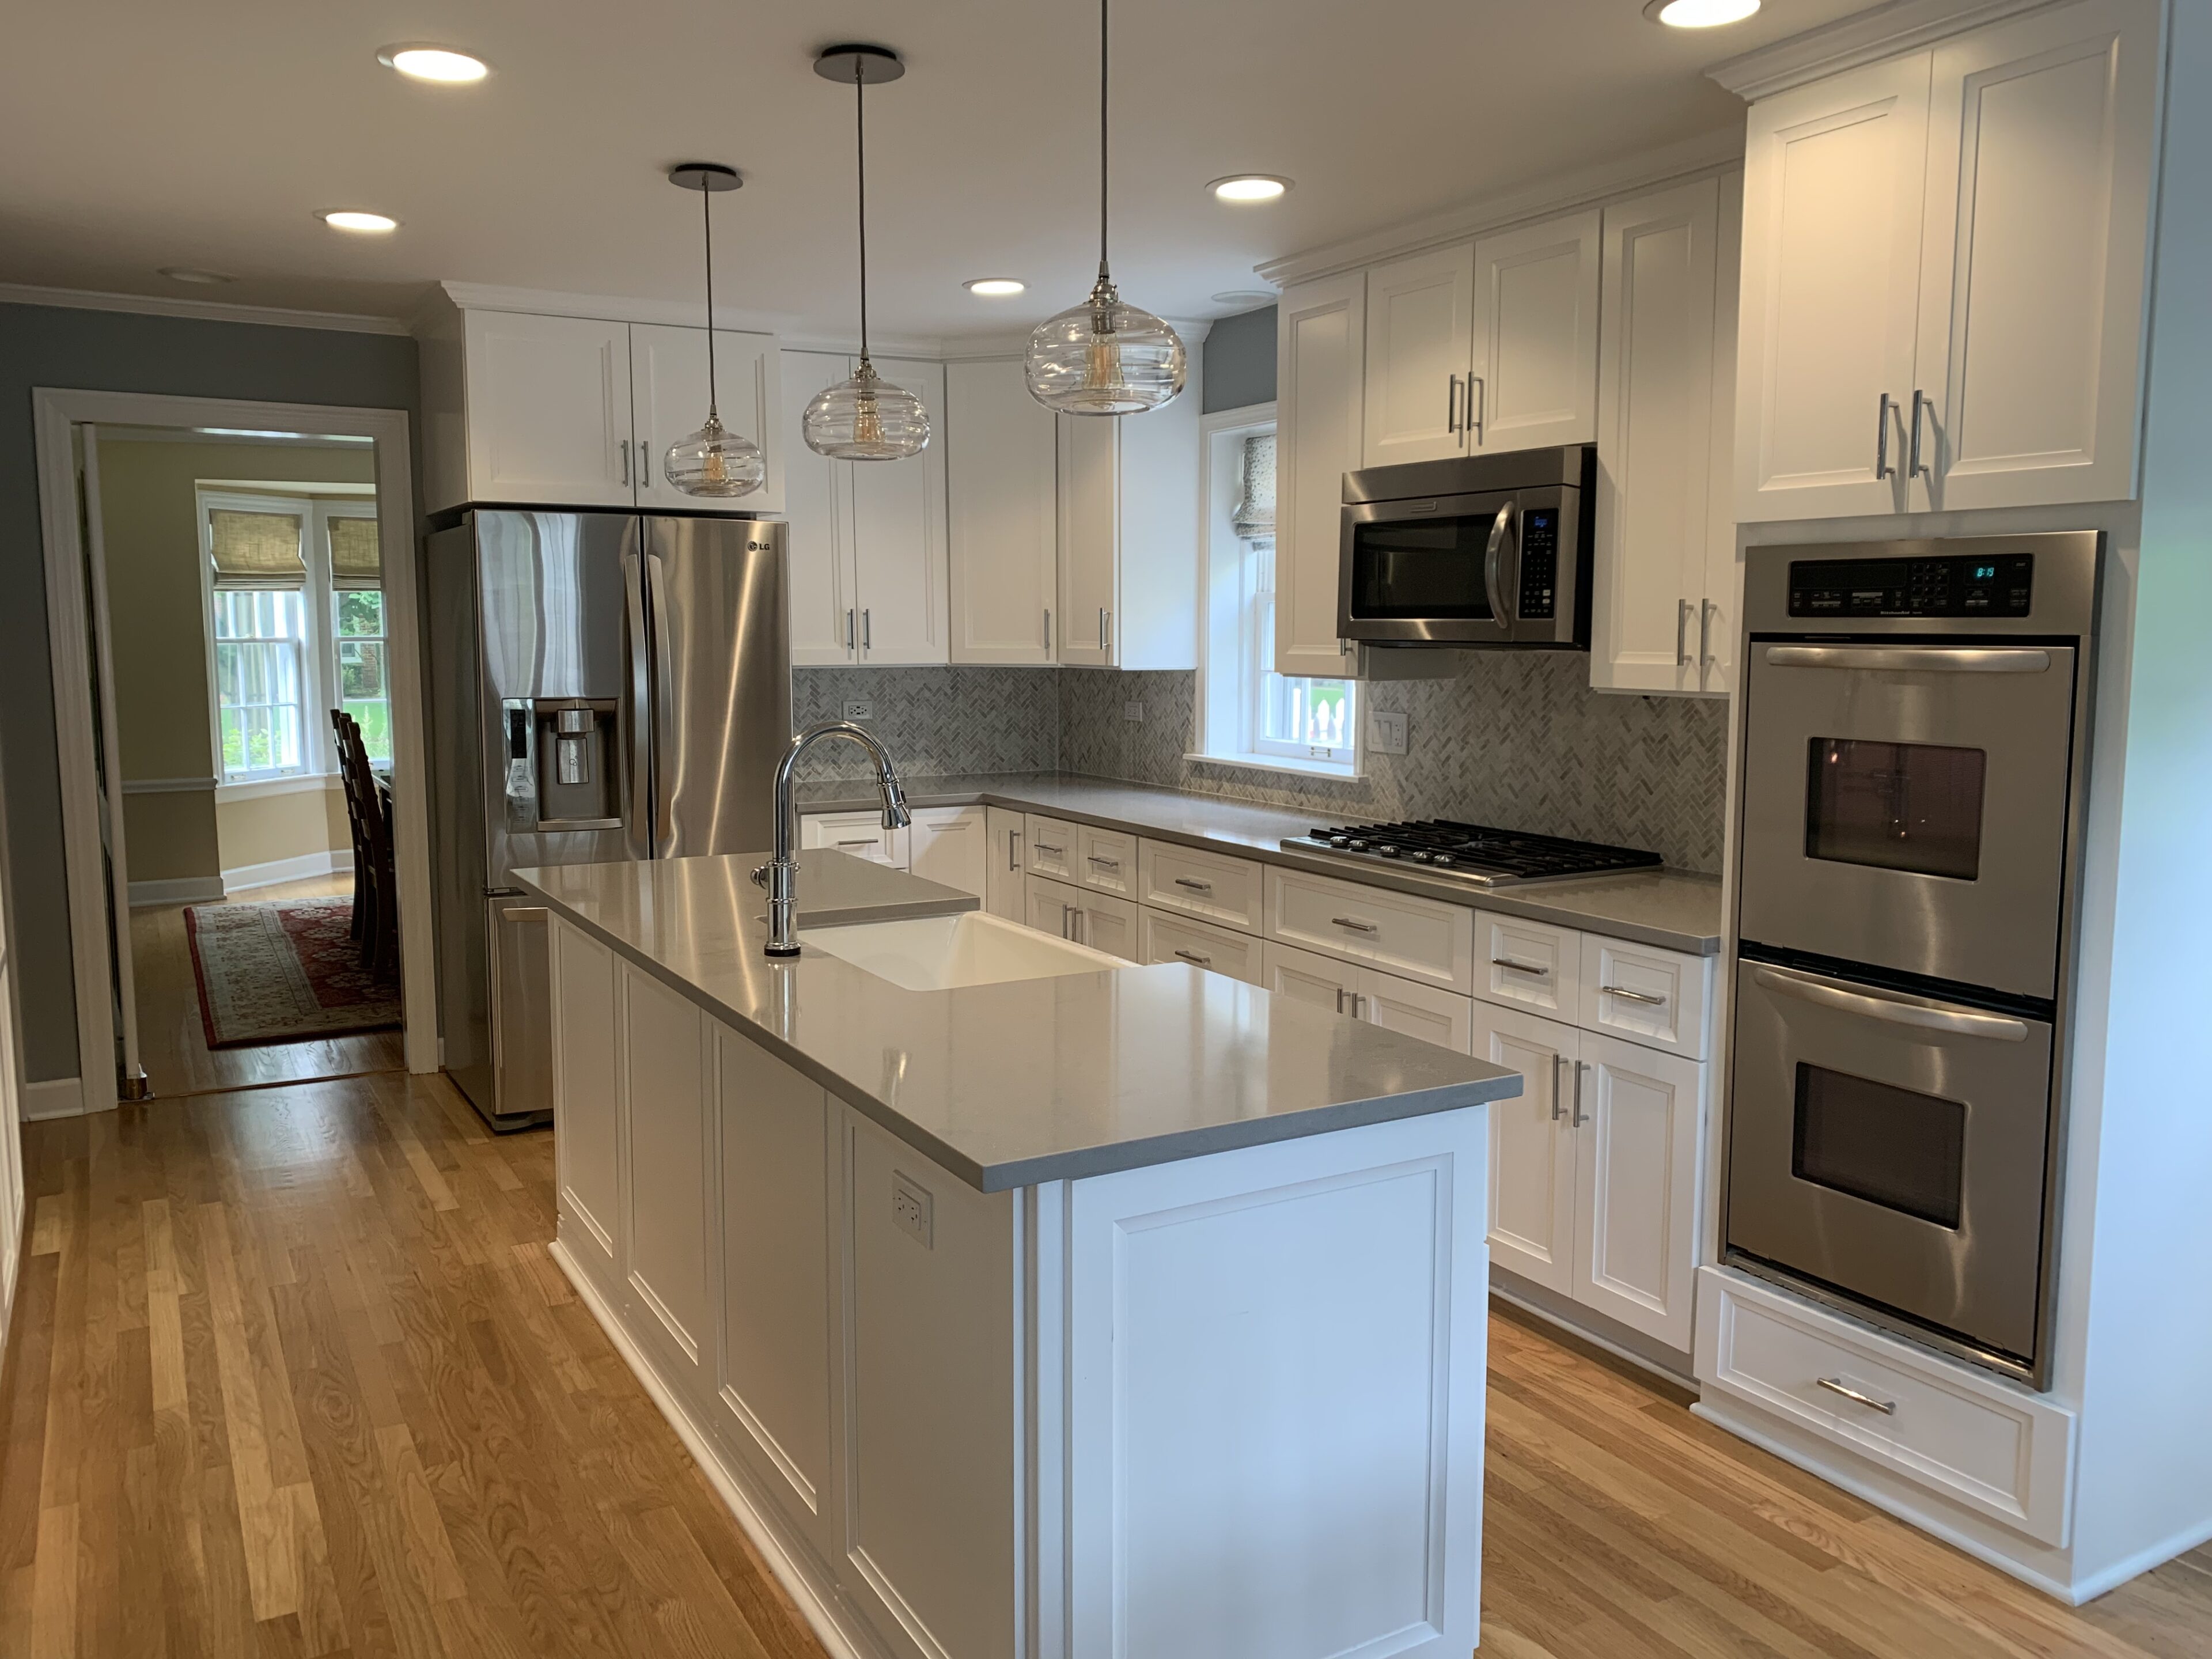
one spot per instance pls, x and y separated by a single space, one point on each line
284 971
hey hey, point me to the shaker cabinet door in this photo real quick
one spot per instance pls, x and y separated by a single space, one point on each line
668 401
1532 1146
1420 341
898 539
548 411
1533 382
1636 1194
1003 501
825 608
1319 362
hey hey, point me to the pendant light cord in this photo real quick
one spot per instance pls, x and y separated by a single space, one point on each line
860 156
1102 137
707 222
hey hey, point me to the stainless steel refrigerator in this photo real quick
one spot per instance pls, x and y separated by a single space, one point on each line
603 686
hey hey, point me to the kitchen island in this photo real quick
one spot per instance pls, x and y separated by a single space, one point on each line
1051 1310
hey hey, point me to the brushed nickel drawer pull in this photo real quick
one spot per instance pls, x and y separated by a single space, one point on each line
1105 864
1193 955
1837 1385
1559 1094
1581 1066
1626 995
1354 924
1046 847
1195 885
1521 967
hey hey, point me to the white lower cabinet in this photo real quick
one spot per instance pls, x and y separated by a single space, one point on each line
1595 1170
1098 920
861 834
1004 893
949 845
664 1186
1053 848
1401 933
586 1059
1164 936
1380 999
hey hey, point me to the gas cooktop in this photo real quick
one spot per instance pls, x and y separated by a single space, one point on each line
1474 853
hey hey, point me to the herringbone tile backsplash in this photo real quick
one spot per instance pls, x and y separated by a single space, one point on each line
1518 739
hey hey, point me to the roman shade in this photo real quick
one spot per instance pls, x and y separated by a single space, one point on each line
256 550
355 560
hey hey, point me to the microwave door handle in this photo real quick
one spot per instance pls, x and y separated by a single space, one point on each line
1916 659
1494 567
1960 1021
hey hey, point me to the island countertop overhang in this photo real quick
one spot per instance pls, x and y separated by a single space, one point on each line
1011 1085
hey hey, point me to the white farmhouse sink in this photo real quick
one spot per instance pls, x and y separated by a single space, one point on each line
943 953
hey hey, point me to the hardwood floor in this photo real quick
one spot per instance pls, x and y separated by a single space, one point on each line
172 1040
292 1373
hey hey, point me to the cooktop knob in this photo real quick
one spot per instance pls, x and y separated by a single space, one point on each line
1387 850
1441 857
1356 845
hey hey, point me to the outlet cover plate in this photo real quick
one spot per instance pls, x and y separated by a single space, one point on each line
858 709
1133 711
1386 733
913 1209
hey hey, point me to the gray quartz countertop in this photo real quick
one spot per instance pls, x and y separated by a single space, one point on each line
1670 908
1026 1081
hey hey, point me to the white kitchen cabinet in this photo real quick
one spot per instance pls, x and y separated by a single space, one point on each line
1380 999
1003 894
1053 848
1532 1146
1420 341
861 834
587 1062
1651 624
1636 1185
545 411
1129 538
949 845
1107 859
1052 906
1321 330
1652 996
666 1188
1943 273
1229 892
1098 920
668 396
1166 936
1309 977
1001 462
1401 933
1531 964
868 581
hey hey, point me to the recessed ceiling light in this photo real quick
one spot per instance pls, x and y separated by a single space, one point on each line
194 273
440 63
1249 187
1698 14
1245 297
351 219
994 287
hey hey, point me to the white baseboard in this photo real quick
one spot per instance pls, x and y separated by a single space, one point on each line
180 889
60 1096
305 867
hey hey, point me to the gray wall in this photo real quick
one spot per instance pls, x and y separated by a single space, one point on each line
117 351
1240 361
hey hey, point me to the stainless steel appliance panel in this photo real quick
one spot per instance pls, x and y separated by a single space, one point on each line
1905 807
460 870
1893 1147
720 680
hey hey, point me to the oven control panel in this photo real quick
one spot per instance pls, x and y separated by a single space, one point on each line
1539 564
2001 585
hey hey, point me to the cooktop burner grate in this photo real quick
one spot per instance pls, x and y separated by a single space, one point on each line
1474 852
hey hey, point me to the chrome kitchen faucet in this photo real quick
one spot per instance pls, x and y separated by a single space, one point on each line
779 875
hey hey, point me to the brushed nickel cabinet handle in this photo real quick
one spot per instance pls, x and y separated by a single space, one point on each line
1195 885
1681 633
849 636
1105 864
1193 955
1046 847
1705 614
1354 924
1339 999
1451 406
1013 849
1914 466
623 446
1559 1093
1627 995
1478 408
1581 1066
867 634
1882 469
1048 628
1357 999
1528 968
1837 1385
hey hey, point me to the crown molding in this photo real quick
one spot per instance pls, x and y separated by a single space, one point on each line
611 308
1864 37
1557 193
206 311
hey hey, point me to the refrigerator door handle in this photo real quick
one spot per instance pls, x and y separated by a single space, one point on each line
637 728
663 707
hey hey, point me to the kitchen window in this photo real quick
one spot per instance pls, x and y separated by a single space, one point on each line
1248 715
295 626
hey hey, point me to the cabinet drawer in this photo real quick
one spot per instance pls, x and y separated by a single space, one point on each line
1416 938
861 834
1529 964
1968 1438
1169 937
1304 976
1648 995
1219 890
1053 847
1106 860
1415 1010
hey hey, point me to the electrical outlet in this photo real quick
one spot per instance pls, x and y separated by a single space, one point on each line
858 709
1133 711
1386 733
912 1209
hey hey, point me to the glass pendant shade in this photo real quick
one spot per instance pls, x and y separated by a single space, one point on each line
865 418
715 462
1104 357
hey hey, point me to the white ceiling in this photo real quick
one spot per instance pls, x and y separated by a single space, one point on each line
137 134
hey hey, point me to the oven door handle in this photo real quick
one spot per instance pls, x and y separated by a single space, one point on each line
1919 659
1494 567
1928 1016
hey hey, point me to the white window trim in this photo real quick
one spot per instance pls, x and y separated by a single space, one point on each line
1216 527
319 753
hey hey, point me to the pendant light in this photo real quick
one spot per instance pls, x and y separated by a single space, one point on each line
865 418
711 461
1104 357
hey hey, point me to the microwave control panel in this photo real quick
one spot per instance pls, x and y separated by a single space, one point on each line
1539 564
2001 585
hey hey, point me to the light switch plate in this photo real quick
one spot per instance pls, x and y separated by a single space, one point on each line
1133 711
913 1209
1386 733
856 709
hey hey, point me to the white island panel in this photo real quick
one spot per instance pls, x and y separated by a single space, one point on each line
666 1187
584 1069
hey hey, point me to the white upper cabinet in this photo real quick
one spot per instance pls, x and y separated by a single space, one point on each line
1533 376
2037 214
668 401
546 412
1000 453
1320 357
1128 537
1651 628
1830 279
1420 341
1943 272
868 579
1090 463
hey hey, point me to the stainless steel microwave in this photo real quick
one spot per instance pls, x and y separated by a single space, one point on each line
1478 550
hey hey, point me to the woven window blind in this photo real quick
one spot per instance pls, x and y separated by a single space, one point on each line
256 550
1256 504
355 560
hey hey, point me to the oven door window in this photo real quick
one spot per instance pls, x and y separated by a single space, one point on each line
1891 1146
1913 806
1421 570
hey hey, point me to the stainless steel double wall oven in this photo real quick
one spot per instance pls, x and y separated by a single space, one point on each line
1915 740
